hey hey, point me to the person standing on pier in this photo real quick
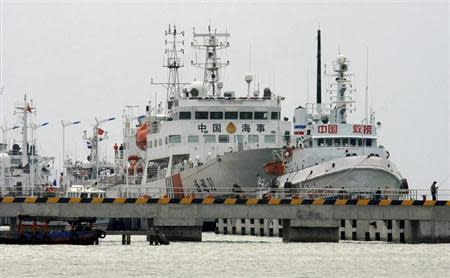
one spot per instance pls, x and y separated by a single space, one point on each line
433 190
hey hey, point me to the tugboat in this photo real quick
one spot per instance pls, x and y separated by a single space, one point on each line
35 230
206 139
330 152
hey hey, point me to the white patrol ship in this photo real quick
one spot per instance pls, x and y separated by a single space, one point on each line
23 172
330 152
208 139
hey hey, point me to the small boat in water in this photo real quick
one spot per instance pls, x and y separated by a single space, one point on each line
35 230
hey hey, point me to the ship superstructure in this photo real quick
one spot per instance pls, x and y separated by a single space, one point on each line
208 137
329 151
23 170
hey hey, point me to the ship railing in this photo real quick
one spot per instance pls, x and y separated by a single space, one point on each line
282 193
203 191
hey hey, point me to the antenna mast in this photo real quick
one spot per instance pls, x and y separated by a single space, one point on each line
319 71
366 111
211 42
24 108
173 63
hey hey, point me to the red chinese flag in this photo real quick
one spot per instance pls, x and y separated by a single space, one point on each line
100 131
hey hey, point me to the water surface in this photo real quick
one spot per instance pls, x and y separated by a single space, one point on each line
226 256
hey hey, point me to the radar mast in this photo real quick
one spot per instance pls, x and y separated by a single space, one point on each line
211 43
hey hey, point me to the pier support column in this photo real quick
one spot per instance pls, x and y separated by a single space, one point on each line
180 229
322 233
182 233
427 231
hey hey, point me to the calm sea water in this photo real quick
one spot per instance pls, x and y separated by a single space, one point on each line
226 256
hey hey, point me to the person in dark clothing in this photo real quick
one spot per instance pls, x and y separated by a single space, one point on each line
343 194
378 194
433 190
121 151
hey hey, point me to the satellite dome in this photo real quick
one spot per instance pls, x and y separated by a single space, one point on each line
248 77
341 59
196 88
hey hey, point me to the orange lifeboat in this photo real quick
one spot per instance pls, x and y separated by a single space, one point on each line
274 168
141 136
133 157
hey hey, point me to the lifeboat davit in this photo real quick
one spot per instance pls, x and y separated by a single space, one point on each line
274 168
141 136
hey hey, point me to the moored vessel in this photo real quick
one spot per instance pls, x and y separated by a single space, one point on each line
205 138
330 151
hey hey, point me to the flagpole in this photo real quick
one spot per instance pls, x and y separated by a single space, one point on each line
64 125
97 149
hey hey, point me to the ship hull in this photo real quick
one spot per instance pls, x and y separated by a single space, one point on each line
361 172
235 170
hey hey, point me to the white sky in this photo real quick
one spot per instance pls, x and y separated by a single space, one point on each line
83 59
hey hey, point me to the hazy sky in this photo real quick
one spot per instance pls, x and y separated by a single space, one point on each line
83 59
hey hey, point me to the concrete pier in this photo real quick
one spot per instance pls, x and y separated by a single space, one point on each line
303 220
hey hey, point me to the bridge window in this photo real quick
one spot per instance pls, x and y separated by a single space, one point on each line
246 115
216 115
201 115
320 142
275 115
231 115
261 115
352 142
269 139
193 139
253 139
209 138
174 139
345 142
224 139
329 142
185 115
337 142
359 142
368 142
